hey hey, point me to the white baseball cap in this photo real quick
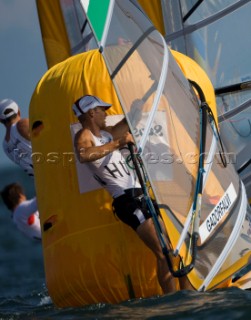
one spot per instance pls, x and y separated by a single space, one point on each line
8 107
86 103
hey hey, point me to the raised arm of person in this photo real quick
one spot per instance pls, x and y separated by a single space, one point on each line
87 151
135 113
119 129
24 128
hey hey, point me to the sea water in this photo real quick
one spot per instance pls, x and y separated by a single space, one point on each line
23 292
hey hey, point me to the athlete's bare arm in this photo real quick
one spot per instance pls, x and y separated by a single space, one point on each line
24 128
119 129
88 152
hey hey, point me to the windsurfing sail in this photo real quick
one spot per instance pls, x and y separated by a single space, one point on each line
135 56
143 51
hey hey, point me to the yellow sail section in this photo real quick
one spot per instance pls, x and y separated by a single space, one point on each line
55 38
153 9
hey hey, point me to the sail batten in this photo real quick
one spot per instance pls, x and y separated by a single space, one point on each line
107 23
157 97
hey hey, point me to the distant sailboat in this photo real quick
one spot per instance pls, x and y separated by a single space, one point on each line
89 255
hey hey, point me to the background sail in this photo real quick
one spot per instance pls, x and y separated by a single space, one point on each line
65 29
154 11
54 34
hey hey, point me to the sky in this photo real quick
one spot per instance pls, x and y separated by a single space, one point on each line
22 60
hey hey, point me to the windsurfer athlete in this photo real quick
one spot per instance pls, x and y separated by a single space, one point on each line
24 212
98 146
16 143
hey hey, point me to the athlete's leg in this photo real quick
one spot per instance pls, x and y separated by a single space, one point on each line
184 283
147 233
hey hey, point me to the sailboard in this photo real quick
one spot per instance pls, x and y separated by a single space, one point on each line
89 255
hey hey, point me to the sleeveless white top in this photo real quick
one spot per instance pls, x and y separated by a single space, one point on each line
112 171
18 149
26 218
